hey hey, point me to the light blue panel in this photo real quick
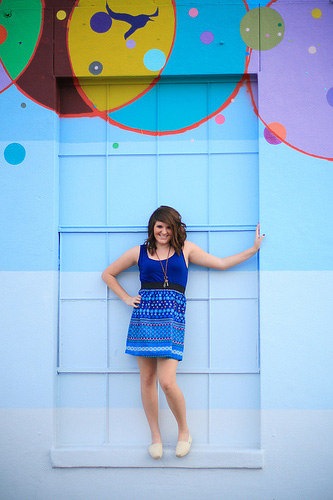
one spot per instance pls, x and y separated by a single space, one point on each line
196 336
80 427
235 391
236 284
82 285
83 334
118 321
183 185
195 388
127 424
81 409
234 335
131 189
191 141
80 136
81 390
234 189
83 252
235 429
118 243
239 132
124 390
82 191
296 340
32 123
226 53
232 242
197 283
200 238
28 205
27 336
130 281
296 206
130 142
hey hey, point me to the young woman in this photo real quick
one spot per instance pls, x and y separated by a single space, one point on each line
157 326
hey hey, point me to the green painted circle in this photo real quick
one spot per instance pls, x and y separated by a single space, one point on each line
271 28
23 27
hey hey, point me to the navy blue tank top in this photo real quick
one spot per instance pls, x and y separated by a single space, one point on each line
151 270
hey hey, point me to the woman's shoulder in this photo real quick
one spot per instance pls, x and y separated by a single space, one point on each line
132 254
188 247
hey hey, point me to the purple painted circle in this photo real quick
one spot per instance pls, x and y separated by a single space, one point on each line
100 22
329 96
206 37
270 138
130 44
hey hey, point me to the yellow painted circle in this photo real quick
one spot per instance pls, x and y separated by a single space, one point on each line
61 15
109 49
316 13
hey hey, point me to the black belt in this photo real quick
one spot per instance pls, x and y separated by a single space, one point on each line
171 286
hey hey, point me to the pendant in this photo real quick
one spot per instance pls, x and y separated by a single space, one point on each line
166 282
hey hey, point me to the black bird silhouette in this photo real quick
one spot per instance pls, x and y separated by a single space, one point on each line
136 22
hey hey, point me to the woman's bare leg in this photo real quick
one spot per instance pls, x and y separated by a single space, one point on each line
149 395
166 373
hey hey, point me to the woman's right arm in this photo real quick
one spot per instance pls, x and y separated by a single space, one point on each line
125 261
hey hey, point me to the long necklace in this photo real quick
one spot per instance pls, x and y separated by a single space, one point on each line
166 281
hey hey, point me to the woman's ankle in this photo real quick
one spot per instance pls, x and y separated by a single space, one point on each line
156 438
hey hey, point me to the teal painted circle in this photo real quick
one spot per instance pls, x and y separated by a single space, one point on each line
183 103
154 60
14 153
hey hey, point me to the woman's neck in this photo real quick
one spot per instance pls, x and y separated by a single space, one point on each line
163 250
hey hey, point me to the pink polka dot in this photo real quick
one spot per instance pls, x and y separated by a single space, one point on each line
267 35
219 119
193 12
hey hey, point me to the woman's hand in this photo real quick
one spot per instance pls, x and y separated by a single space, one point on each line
258 239
134 301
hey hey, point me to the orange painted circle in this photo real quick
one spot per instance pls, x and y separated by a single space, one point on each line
278 130
3 34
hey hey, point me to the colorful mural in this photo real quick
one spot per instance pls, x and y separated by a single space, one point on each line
104 104
132 48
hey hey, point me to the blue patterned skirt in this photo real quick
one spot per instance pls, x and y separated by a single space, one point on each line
157 326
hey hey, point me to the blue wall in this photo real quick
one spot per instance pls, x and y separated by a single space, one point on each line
290 195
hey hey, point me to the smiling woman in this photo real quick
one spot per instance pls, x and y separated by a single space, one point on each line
157 326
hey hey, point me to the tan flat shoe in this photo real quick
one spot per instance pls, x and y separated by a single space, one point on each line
183 447
156 450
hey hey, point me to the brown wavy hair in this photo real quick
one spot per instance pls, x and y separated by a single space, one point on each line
171 217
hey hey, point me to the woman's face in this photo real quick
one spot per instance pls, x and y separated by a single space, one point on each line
162 233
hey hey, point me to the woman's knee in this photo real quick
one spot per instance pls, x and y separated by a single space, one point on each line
168 384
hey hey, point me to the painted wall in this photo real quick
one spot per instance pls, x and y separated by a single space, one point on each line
50 54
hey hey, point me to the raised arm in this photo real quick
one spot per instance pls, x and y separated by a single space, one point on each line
125 261
198 256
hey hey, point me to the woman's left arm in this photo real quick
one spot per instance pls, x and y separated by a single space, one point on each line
198 256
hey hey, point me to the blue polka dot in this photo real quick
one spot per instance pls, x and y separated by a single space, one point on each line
154 60
14 153
100 22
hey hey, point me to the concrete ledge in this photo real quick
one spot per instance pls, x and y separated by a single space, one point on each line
200 457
